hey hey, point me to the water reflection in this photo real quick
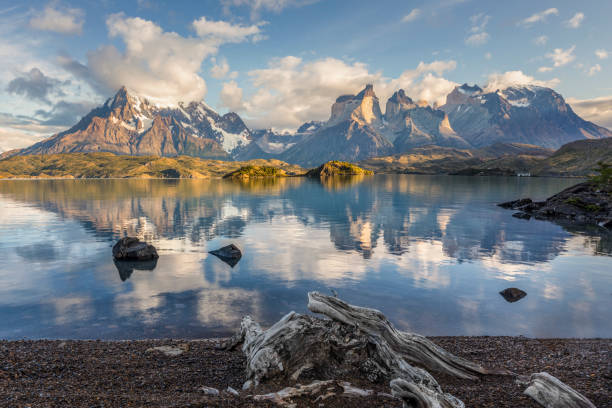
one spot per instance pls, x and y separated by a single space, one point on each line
403 244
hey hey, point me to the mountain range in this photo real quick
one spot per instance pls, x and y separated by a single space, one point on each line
356 130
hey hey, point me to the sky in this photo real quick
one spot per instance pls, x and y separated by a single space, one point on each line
280 63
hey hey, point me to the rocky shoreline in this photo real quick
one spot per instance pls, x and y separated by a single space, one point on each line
583 204
80 373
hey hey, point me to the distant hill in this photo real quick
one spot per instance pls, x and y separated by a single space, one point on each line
573 159
108 165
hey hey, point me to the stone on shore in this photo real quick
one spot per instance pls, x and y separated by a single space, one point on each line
131 249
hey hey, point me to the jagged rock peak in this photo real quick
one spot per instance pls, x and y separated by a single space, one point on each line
469 90
400 97
362 108
367 91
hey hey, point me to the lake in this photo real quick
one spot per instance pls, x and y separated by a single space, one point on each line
431 252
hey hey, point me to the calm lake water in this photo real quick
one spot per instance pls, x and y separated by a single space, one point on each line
431 252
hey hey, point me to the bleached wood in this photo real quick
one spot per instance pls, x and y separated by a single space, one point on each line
417 396
411 347
550 392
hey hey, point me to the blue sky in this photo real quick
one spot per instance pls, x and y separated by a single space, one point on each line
282 62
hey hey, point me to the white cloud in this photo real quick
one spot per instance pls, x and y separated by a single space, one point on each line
477 39
515 78
561 57
231 96
67 21
413 15
224 32
541 40
478 34
257 6
162 66
537 17
290 91
601 54
219 70
594 69
575 21
545 69
597 110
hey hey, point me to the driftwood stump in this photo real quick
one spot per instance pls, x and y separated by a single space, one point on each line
356 341
550 392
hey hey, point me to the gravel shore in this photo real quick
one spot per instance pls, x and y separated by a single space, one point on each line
56 373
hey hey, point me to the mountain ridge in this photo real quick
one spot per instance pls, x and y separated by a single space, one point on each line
356 129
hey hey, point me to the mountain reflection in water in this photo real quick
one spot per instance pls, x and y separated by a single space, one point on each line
432 252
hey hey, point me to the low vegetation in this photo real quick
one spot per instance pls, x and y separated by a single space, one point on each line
108 165
250 171
338 168
603 176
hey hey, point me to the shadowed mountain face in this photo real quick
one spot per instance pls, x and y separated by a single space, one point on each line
127 124
530 114
401 244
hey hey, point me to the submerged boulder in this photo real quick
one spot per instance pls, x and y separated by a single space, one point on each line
513 294
131 249
230 254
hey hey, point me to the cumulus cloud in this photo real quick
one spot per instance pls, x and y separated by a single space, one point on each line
561 57
601 54
219 69
36 85
224 32
545 69
597 110
66 21
515 78
159 65
537 17
291 91
257 6
575 21
231 96
413 15
541 40
594 69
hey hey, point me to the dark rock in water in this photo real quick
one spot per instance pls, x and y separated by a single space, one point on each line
131 249
516 203
513 294
583 204
522 215
229 254
126 268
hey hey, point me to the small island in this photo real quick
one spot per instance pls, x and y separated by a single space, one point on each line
338 168
250 172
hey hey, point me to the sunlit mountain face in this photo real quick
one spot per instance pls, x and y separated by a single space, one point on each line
402 244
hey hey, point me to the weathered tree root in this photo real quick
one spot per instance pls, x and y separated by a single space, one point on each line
356 341
550 392
411 347
317 390
416 396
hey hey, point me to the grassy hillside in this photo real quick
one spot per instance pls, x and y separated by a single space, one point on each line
108 165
